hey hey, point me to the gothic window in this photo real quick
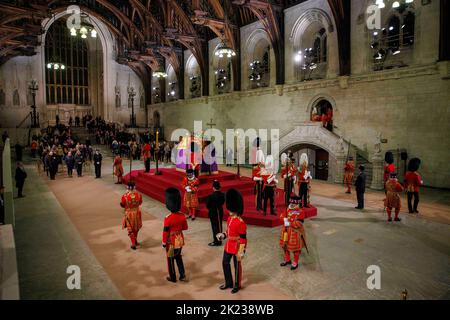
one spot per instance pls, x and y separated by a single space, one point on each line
223 78
320 47
2 97
71 84
196 85
393 34
408 28
16 98
395 39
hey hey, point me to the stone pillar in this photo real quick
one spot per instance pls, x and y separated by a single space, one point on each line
340 164
377 172
8 184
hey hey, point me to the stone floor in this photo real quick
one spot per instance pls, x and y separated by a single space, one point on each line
56 228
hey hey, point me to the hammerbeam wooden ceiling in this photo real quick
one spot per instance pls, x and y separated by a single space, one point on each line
148 31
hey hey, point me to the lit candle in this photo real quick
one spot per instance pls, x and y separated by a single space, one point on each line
157 138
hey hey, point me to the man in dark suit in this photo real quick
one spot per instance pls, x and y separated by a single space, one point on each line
98 164
214 203
360 187
20 177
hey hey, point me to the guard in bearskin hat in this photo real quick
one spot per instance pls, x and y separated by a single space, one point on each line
190 185
389 166
173 239
412 183
292 238
304 181
236 244
289 173
392 201
257 171
132 219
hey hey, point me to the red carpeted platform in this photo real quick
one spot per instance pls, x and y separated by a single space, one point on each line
154 186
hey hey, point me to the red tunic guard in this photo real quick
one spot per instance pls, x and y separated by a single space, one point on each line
393 187
172 238
349 171
118 169
292 237
132 219
190 200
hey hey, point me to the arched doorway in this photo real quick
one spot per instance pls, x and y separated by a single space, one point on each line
319 160
322 111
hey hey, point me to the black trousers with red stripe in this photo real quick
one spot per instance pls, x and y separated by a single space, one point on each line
226 264
178 258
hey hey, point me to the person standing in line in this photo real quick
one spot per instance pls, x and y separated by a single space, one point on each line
214 203
79 163
392 201
98 164
146 154
173 239
191 184
132 218
70 163
412 183
236 244
52 165
360 185
118 168
292 238
349 171
20 177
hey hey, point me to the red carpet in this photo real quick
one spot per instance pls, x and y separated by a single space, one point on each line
155 186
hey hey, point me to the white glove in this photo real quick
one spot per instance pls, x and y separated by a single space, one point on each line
188 189
284 176
220 236
286 222
421 182
274 179
257 179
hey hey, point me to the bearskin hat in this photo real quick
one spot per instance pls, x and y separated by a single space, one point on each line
234 201
190 171
389 157
173 200
216 184
414 164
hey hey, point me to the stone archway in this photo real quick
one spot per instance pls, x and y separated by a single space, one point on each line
313 134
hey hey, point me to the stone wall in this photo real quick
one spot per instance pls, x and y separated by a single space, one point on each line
409 107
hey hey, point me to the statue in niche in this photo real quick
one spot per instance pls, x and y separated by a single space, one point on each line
2 97
377 148
118 101
16 98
